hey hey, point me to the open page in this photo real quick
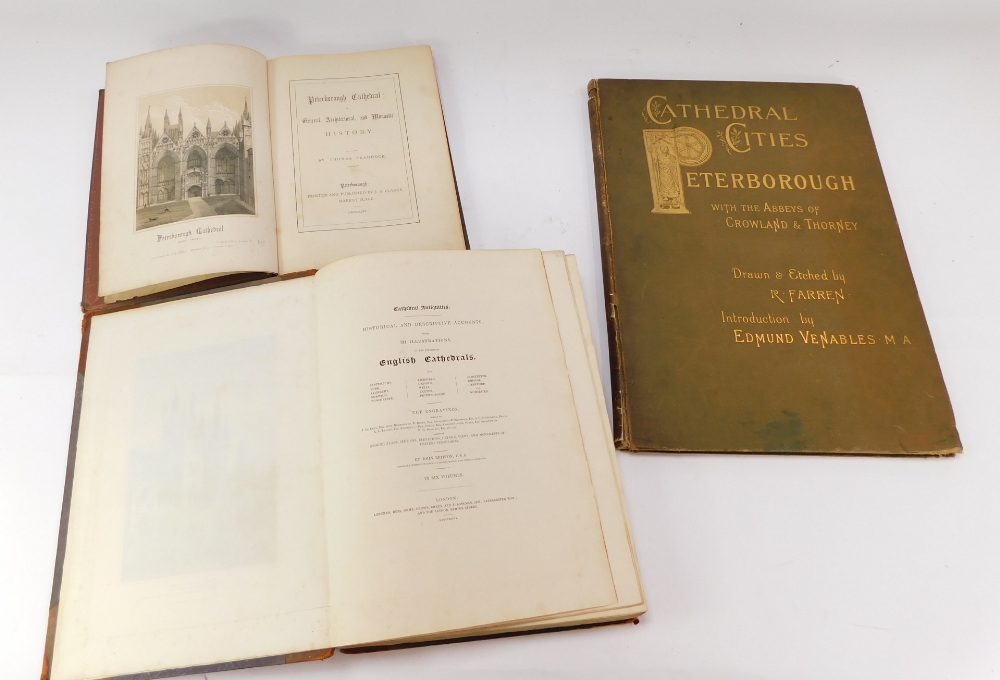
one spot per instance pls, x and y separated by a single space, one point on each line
361 158
186 188
196 526
584 374
457 485
629 586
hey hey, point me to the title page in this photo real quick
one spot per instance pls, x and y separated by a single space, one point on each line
361 157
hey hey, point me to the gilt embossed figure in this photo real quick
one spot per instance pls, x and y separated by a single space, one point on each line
666 151
666 177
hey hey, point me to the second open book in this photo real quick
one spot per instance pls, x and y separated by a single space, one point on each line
406 446
216 160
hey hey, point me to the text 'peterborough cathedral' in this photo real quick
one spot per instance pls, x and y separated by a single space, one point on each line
174 167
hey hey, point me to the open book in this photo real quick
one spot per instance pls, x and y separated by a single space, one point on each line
215 160
406 446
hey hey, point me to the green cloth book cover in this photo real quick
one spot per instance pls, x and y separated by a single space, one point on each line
759 297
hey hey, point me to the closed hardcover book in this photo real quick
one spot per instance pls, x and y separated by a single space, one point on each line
759 296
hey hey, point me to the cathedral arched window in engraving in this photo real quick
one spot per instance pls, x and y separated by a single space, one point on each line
197 159
225 171
166 178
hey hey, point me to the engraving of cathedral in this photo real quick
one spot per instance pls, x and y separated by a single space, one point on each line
197 171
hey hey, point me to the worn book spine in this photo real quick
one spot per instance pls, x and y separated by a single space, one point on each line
50 632
90 298
619 396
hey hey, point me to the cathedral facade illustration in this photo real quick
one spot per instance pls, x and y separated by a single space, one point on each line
177 164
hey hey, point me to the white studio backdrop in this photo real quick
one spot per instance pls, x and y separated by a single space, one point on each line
755 566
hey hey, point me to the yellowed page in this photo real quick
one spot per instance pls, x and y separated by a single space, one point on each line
361 158
581 360
186 186
457 484
196 528
609 445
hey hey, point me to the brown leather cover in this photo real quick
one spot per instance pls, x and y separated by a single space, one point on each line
92 249
50 633
367 649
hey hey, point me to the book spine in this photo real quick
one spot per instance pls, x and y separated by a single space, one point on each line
619 397
91 268
50 631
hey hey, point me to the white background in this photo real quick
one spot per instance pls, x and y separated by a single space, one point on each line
755 567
